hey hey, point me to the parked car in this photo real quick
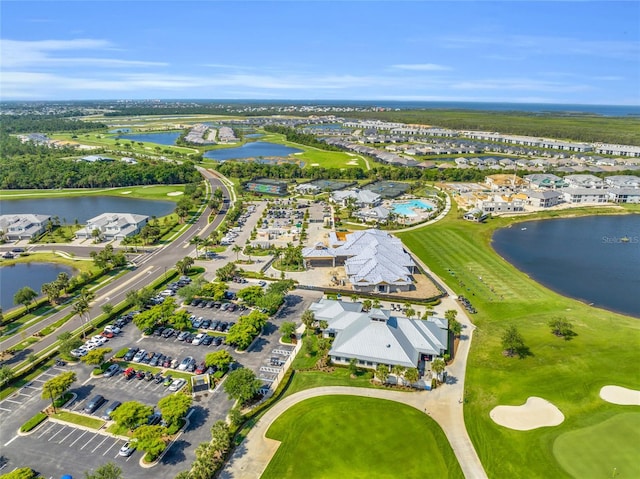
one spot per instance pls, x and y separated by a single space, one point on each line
183 335
140 374
168 380
113 329
167 333
154 359
158 331
174 363
205 324
130 354
127 449
112 407
129 373
139 355
158 378
185 363
78 353
167 362
107 334
148 376
262 283
207 340
217 340
198 339
197 322
98 339
192 367
154 419
112 371
177 384
94 404
201 368
224 306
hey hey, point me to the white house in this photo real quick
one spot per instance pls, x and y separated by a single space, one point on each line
113 225
378 337
624 195
544 199
623 181
23 226
585 195
583 181
361 197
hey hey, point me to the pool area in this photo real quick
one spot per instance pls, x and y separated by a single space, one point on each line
411 208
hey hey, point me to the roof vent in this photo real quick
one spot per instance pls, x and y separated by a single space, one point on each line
388 345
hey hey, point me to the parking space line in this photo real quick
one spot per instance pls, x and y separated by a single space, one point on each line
65 438
51 426
87 443
105 438
3 409
12 401
39 381
83 433
105 452
57 432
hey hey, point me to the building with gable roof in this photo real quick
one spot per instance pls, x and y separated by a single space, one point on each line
23 226
361 197
379 337
113 226
374 261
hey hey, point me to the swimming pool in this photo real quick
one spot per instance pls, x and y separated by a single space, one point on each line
408 208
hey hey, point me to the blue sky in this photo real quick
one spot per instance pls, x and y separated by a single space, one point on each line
539 52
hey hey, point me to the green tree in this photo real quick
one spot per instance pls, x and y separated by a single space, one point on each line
242 385
215 290
68 343
25 296
180 320
236 249
184 265
107 308
174 407
58 385
5 374
251 294
353 366
221 437
106 471
308 318
382 372
410 312
197 241
438 366
366 304
139 298
398 372
411 375
52 291
450 314
20 473
80 309
287 329
561 327
131 414
220 359
512 342
150 439
96 356
227 272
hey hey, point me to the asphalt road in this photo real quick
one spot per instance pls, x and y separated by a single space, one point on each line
150 266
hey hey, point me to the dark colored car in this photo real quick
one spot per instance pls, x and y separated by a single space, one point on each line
205 324
231 308
201 368
214 324
167 333
217 340
158 331
207 340
148 376
130 354
140 374
112 407
167 362
158 378
154 359
192 366
94 404
189 338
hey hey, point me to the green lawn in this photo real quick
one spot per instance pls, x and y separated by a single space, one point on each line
80 420
325 437
606 449
567 373
149 192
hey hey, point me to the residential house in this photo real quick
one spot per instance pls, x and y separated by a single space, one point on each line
23 226
585 195
360 198
623 181
544 199
583 181
624 195
113 226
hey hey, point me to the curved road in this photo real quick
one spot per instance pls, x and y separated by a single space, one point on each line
150 266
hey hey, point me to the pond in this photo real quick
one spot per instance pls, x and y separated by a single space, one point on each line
595 259
165 138
84 207
34 275
251 150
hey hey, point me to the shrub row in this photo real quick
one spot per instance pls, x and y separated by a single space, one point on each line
33 422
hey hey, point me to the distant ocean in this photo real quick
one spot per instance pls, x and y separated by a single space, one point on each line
602 110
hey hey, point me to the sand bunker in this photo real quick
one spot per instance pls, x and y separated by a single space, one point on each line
620 395
353 162
175 193
535 413
125 192
315 164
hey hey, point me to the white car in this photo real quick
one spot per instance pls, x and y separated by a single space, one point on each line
177 384
185 363
99 340
89 346
127 449
113 329
78 353
198 339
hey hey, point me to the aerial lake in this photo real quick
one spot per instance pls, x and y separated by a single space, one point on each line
84 207
254 149
34 275
595 259
168 138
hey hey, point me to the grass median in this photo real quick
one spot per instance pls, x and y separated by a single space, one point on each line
79 419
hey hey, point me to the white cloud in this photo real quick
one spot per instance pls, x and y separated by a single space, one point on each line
46 53
423 67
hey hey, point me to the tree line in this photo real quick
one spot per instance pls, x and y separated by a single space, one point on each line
296 136
46 124
48 173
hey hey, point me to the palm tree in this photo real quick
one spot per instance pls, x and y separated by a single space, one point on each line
197 241
80 308
398 372
236 249
411 375
437 366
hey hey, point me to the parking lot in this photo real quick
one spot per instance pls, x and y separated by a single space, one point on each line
55 449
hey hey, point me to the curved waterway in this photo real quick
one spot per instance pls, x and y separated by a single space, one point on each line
595 259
